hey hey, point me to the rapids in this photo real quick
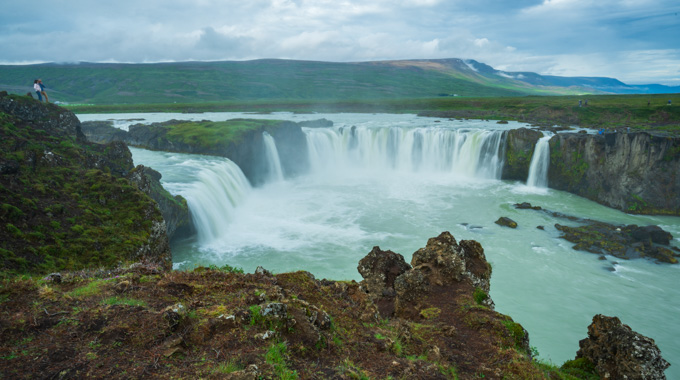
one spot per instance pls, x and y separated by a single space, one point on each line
397 180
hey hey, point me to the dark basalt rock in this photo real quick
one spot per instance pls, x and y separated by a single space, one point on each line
622 241
654 234
519 148
379 269
102 131
618 352
174 209
506 222
632 172
526 206
625 242
443 263
54 120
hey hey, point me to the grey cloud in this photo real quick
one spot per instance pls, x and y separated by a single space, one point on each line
578 37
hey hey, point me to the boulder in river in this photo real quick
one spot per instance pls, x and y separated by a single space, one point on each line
506 222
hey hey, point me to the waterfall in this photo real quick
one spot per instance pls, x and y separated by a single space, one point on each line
274 170
540 160
219 188
466 153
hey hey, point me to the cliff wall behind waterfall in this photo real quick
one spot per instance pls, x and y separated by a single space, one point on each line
634 172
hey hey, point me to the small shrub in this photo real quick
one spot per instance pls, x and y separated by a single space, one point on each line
581 368
479 296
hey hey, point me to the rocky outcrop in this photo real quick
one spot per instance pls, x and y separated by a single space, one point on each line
102 131
519 148
633 172
618 352
69 201
52 119
379 269
174 208
621 241
624 242
441 264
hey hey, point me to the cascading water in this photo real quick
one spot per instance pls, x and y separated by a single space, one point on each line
274 170
219 188
540 160
465 153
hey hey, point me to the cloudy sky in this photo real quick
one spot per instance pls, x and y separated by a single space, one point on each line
636 41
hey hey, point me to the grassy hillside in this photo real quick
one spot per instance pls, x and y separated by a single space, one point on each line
193 82
603 111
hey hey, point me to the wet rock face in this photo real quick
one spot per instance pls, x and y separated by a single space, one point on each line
173 208
519 149
632 172
102 131
619 352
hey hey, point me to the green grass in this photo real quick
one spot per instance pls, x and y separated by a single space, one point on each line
276 356
92 288
115 300
209 135
603 111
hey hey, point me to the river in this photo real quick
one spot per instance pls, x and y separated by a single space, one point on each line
397 180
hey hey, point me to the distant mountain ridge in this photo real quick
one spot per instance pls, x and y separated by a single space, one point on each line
269 79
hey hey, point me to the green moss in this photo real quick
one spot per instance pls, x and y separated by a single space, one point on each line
10 212
12 229
517 333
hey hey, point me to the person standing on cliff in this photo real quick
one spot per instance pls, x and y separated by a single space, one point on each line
37 89
42 89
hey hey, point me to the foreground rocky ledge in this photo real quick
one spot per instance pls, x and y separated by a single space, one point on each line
431 319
